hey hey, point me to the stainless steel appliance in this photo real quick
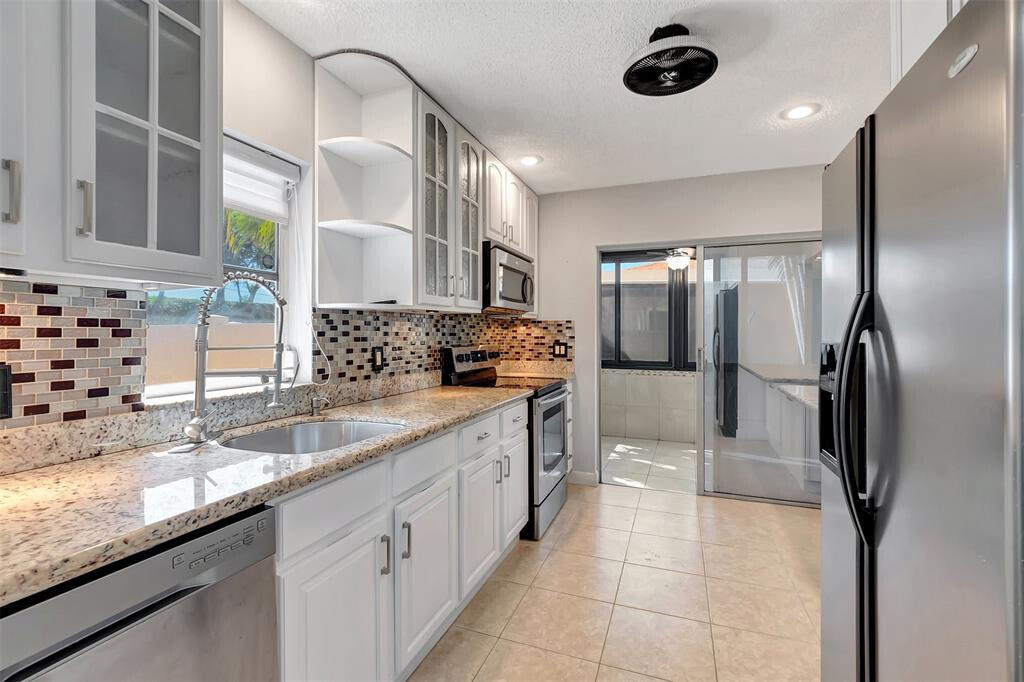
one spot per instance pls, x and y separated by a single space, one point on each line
922 565
508 280
725 356
202 607
549 462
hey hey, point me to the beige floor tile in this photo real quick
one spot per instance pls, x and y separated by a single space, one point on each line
663 646
736 534
609 674
812 604
560 622
798 534
666 525
674 466
513 662
605 516
627 466
610 494
737 510
457 656
676 485
673 503
606 543
581 575
670 553
563 522
492 606
670 592
746 566
761 609
522 563
804 569
637 481
750 657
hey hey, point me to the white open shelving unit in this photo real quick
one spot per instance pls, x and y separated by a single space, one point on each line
365 127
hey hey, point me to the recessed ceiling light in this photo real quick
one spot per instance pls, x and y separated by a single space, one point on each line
801 111
531 160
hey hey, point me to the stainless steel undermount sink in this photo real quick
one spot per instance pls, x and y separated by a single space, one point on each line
299 439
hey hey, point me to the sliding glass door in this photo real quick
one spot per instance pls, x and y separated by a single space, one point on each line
761 310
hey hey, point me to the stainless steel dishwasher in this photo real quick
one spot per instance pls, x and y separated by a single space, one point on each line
201 607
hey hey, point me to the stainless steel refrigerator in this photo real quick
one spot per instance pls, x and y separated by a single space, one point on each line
921 416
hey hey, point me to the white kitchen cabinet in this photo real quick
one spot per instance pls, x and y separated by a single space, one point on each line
436 233
144 137
531 221
494 198
13 69
479 519
468 220
514 211
515 461
426 531
336 609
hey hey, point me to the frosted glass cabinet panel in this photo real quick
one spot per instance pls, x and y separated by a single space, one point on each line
436 236
468 219
144 90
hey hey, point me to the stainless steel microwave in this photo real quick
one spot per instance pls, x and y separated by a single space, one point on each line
509 284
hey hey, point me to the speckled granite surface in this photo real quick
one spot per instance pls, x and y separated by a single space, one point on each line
61 521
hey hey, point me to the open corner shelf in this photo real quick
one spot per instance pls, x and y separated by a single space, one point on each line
364 229
364 151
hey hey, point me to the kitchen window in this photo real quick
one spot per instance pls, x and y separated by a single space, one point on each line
258 192
647 312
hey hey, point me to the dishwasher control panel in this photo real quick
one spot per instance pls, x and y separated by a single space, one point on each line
213 548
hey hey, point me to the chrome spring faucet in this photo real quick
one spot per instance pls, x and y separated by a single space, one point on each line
196 430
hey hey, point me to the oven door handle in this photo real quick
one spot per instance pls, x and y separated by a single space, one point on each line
561 395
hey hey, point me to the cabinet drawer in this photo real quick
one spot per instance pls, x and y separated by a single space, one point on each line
312 516
479 436
514 419
420 463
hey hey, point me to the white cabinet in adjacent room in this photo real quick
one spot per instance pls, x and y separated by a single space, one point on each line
144 133
336 609
515 460
426 565
480 517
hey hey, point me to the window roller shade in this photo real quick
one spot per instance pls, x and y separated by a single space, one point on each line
255 190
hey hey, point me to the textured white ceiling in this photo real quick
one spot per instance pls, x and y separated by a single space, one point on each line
545 77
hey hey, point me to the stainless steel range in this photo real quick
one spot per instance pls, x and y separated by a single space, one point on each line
478 366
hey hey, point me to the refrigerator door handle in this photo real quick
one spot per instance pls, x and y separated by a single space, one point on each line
861 320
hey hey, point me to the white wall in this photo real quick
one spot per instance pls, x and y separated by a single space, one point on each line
573 225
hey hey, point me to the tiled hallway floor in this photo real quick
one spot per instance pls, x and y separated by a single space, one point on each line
653 464
632 584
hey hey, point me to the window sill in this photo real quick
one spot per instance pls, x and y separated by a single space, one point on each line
184 391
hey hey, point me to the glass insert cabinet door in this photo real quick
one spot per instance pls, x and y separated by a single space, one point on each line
144 90
437 233
469 215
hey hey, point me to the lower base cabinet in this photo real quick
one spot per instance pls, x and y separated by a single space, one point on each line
426 528
336 609
515 495
480 516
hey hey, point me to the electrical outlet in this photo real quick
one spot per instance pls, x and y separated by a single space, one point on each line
6 393
560 349
377 359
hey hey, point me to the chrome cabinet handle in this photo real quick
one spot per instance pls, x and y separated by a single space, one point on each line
484 436
508 465
408 540
516 420
386 539
462 279
498 462
13 212
452 280
85 230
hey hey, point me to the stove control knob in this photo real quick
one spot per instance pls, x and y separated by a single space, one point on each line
460 358
494 355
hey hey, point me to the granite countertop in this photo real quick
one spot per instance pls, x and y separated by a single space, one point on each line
61 521
782 374
808 395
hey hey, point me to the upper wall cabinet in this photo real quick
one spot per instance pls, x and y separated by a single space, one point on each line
507 207
468 219
494 208
437 174
914 25
531 218
136 193
365 182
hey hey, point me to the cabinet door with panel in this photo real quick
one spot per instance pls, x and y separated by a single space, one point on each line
436 242
468 220
13 69
515 490
479 519
494 199
426 528
145 136
336 609
531 212
514 211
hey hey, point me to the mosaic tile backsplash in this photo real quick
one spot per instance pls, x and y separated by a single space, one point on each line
74 352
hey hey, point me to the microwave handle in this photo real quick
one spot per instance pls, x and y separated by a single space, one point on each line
527 290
